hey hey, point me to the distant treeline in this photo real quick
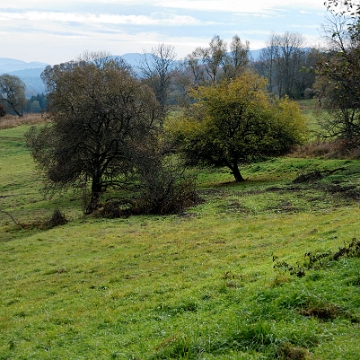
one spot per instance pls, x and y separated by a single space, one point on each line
36 104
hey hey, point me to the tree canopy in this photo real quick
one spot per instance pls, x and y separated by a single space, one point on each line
349 7
12 93
217 61
237 121
98 113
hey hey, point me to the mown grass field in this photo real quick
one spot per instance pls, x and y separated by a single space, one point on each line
200 285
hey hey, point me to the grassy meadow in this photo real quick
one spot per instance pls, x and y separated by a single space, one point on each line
227 279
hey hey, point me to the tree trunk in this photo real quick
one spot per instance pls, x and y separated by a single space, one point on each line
19 114
93 204
236 172
96 190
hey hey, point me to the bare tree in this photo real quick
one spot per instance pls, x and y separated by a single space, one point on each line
100 58
213 57
281 63
338 82
237 59
194 68
268 57
289 63
159 68
217 61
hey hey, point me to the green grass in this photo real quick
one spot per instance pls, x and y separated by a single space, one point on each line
309 108
200 285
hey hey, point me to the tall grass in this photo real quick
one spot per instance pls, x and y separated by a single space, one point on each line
10 121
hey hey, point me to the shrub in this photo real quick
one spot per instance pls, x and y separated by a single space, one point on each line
168 191
161 191
57 218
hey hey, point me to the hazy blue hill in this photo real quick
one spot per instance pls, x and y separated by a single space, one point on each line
32 80
8 65
255 54
28 72
133 59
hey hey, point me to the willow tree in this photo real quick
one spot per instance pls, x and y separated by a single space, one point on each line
237 121
12 93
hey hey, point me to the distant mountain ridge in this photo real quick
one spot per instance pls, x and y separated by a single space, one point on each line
32 80
8 65
29 72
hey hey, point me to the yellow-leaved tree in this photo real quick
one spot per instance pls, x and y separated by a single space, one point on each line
237 121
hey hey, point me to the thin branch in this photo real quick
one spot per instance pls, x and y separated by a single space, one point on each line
12 218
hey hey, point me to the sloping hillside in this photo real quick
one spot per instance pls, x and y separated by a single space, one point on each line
250 273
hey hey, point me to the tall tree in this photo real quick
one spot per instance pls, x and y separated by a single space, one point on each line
193 68
268 58
213 58
281 63
338 82
237 59
12 93
217 61
100 115
290 45
159 69
348 7
237 121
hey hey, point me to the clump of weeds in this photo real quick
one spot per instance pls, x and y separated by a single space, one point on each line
318 260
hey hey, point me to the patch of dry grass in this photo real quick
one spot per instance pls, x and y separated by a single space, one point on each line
330 149
10 121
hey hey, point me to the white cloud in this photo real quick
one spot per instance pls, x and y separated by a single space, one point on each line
153 20
54 31
202 5
258 6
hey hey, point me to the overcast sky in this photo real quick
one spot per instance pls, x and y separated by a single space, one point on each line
58 31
